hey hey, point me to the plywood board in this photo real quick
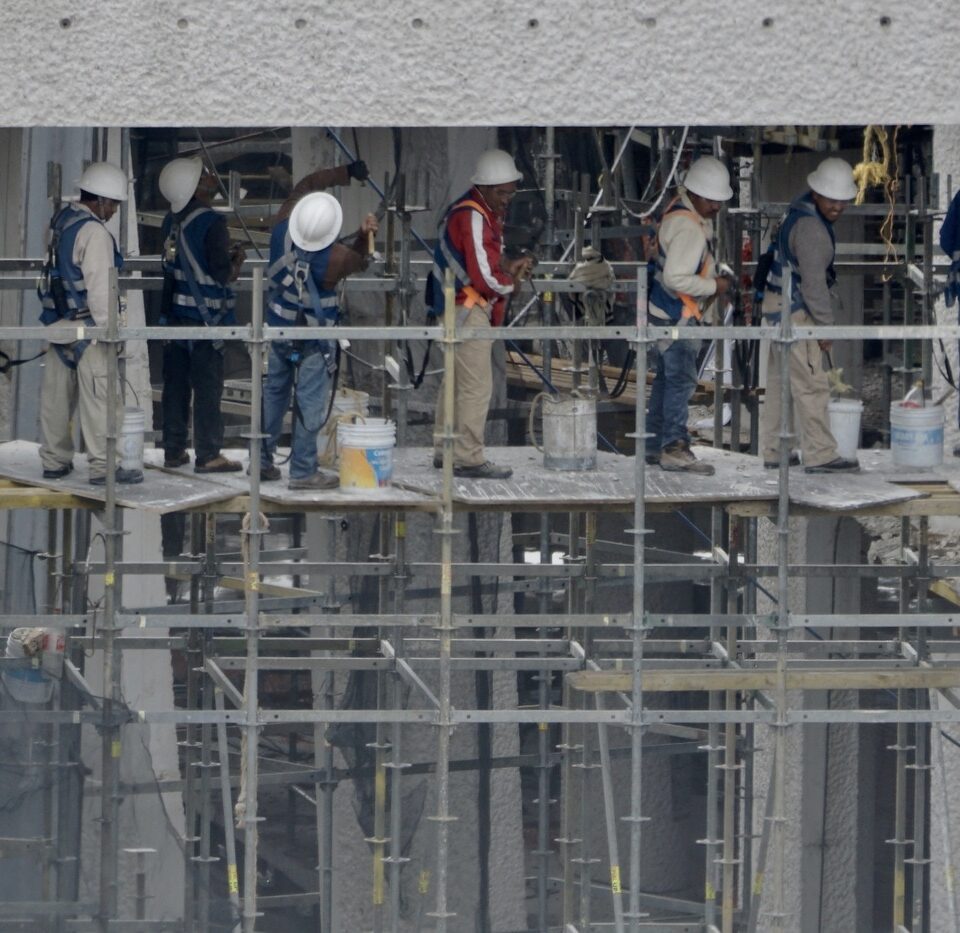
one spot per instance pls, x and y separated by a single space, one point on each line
160 492
276 492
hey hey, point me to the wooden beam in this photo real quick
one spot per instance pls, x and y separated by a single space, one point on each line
705 679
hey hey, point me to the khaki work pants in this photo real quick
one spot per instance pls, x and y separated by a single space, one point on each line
811 395
66 391
472 390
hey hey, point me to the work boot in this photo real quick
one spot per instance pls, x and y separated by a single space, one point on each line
837 465
485 470
317 481
652 458
175 458
775 464
58 473
677 457
129 477
268 472
438 461
219 464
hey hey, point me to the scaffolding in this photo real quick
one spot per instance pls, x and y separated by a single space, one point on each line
747 667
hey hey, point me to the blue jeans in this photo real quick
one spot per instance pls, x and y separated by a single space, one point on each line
673 385
313 386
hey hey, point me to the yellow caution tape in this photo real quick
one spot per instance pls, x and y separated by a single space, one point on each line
233 883
615 879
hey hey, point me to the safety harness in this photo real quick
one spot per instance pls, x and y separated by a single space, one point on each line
297 286
181 263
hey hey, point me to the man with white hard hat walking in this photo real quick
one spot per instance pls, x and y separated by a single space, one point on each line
75 291
805 245
470 243
684 283
199 265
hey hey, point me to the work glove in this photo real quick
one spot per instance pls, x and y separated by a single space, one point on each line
358 170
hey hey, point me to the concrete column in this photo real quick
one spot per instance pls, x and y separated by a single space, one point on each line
826 889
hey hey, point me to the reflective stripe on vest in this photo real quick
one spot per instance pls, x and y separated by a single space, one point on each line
65 226
447 256
674 304
801 207
297 296
197 295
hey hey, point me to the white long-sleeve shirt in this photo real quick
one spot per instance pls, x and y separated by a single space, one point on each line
684 241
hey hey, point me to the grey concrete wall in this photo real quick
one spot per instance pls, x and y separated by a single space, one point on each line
476 63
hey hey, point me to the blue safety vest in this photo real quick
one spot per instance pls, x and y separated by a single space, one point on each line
63 271
447 256
671 302
197 296
297 296
779 248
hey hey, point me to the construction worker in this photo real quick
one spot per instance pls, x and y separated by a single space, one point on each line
75 291
684 283
198 264
306 263
805 243
470 242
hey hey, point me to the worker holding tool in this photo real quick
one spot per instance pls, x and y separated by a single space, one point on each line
75 292
685 282
806 245
198 266
470 243
306 263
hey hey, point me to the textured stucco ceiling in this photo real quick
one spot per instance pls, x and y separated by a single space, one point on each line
236 62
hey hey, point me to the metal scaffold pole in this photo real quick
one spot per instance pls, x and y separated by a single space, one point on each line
253 534
445 626
782 628
112 691
635 818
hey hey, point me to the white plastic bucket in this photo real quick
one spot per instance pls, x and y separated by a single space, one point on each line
916 435
845 415
569 431
366 453
347 404
130 439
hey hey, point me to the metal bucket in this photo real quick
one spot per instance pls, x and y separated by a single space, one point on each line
569 431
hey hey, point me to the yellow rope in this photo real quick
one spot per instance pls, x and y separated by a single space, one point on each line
870 173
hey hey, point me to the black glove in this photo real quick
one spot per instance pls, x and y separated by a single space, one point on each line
358 170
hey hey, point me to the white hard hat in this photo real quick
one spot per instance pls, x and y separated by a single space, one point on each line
833 178
104 180
495 167
178 181
316 221
709 178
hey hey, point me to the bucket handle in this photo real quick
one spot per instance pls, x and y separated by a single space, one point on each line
537 399
332 453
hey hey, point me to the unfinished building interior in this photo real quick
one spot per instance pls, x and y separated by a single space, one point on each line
606 699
